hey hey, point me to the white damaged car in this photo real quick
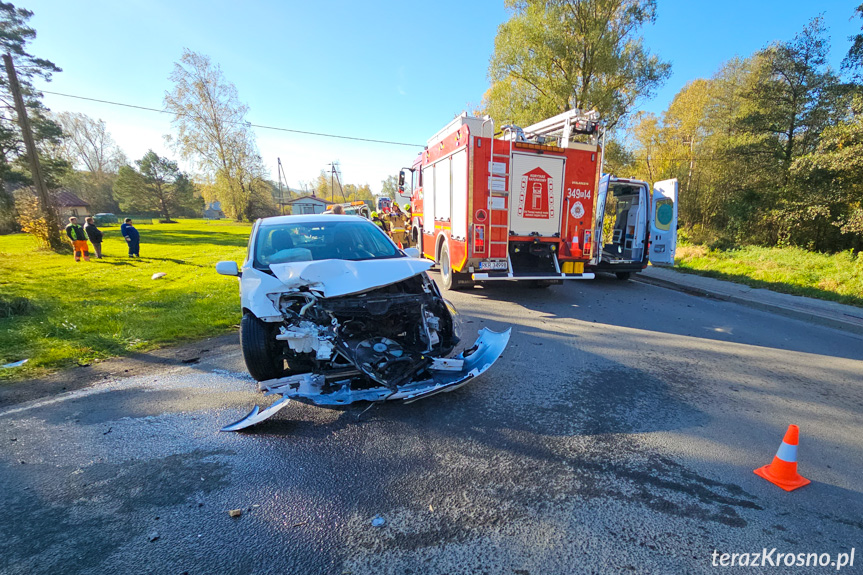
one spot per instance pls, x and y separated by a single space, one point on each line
334 312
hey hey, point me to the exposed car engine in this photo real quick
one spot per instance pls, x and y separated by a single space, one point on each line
388 335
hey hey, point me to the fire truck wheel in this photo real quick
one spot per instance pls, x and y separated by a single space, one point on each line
452 280
623 276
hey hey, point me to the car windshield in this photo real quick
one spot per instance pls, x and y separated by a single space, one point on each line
323 240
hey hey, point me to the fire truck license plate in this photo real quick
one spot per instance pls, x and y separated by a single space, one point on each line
493 265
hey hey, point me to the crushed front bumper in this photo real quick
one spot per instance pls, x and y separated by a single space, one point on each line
314 389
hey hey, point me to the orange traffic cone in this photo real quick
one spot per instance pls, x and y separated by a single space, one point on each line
783 470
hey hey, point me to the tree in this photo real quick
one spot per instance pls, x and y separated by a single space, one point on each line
211 129
88 143
157 185
835 168
15 35
88 146
390 187
793 96
556 55
853 62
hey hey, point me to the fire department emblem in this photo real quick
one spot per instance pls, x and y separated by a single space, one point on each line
536 199
577 210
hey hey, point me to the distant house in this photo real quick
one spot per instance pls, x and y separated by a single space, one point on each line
66 202
213 211
308 205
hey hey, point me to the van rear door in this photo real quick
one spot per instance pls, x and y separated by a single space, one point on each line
599 218
663 222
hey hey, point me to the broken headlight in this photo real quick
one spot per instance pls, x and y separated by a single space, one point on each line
456 318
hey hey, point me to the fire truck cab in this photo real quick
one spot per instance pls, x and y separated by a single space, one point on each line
513 206
634 226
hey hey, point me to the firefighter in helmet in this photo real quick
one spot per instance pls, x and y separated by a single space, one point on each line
399 223
382 224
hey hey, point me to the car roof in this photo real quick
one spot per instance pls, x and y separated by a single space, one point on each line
309 219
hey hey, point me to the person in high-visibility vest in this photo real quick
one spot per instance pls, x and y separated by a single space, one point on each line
78 237
376 220
399 226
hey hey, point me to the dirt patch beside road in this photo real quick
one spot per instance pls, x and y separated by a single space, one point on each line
115 368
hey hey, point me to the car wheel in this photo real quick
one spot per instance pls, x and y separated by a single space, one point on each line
452 280
623 276
258 343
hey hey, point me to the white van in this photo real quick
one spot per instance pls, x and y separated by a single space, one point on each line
634 225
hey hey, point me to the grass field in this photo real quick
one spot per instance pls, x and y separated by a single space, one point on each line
836 277
57 313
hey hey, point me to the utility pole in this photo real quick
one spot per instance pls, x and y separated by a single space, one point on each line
283 176
332 171
46 207
341 189
279 175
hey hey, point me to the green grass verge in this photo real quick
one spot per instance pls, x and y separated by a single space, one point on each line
58 313
835 277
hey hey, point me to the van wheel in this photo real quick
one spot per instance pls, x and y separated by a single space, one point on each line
258 343
623 276
452 280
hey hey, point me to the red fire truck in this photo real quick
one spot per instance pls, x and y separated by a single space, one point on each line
516 207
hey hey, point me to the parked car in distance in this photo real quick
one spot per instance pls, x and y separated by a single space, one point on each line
105 218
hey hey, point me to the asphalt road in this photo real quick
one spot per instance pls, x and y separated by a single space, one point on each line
618 433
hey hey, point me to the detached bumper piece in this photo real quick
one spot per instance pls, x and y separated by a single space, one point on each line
443 375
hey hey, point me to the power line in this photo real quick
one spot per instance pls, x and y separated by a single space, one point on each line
261 126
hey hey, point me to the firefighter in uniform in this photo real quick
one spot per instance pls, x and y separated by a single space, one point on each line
376 220
399 226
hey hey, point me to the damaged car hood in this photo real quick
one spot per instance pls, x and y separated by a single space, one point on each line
334 278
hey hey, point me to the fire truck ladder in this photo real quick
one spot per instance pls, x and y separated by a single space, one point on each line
505 159
564 125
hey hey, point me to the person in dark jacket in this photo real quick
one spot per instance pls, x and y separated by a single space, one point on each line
78 237
132 237
95 235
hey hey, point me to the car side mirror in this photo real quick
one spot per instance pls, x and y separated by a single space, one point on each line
228 269
402 181
411 252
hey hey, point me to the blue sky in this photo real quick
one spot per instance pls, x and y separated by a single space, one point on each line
385 70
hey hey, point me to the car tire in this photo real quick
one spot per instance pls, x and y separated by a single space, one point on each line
258 342
452 280
623 276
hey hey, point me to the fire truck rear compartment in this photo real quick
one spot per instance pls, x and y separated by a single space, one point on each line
532 259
